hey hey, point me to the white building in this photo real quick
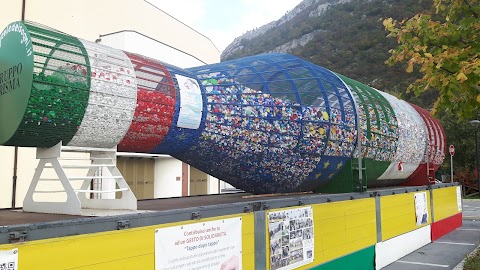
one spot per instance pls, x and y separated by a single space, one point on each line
131 25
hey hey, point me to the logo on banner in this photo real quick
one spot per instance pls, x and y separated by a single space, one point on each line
400 166
9 259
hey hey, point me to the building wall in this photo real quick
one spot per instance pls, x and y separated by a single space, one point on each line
213 185
168 177
26 164
138 43
89 19
139 173
6 174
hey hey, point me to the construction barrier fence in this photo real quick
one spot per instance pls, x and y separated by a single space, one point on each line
301 232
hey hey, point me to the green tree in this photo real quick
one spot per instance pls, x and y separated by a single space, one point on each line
445 45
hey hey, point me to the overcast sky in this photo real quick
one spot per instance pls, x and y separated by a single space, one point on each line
223 20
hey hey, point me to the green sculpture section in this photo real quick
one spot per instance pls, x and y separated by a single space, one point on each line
46 87
378 137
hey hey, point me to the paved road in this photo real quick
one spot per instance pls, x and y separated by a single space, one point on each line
448 251
471 209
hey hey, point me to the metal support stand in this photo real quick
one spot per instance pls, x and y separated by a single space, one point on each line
76 199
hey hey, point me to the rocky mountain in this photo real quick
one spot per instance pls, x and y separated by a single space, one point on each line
238 42
345 36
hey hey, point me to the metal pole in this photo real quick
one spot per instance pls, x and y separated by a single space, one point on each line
427 148
23 9
360 167
14 184
15 156
451 169
476 158
359 144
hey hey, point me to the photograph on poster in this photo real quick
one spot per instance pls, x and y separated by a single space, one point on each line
291 238
421 210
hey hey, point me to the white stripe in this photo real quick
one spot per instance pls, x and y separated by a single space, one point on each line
453 243
428 264
475 230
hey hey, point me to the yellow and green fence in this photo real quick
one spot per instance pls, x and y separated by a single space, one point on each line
342 231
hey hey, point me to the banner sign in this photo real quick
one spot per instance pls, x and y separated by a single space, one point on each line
191 103
207 245
291 238
421 210
9 259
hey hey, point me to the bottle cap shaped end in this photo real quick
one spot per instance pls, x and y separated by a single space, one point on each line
16 75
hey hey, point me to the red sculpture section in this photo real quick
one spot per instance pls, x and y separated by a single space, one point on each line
155 109
437 145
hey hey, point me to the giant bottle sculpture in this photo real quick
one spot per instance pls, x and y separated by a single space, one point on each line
266 123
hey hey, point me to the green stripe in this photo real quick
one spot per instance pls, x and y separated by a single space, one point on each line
343 182
361 260
375 168
59 95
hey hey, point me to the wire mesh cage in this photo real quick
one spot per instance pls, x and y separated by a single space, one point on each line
278 121
411 131
267 123
80 92
437 145
377 122
188 119
155 106
112 98
59 93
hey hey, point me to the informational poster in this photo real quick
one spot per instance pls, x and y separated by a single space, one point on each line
9 259
207 245
421 210
459 198
191 103
291 238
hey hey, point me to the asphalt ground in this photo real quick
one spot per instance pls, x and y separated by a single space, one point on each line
449 251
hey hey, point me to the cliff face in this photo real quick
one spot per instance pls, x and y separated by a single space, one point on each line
316 8
298 42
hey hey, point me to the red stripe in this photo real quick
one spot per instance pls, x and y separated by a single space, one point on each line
445 226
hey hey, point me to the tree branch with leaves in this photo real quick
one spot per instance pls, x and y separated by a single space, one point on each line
444 45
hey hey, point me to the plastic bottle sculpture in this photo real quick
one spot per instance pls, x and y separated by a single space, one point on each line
266 123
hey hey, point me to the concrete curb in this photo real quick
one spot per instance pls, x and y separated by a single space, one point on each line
460 265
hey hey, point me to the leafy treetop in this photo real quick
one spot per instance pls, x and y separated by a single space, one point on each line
445 45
